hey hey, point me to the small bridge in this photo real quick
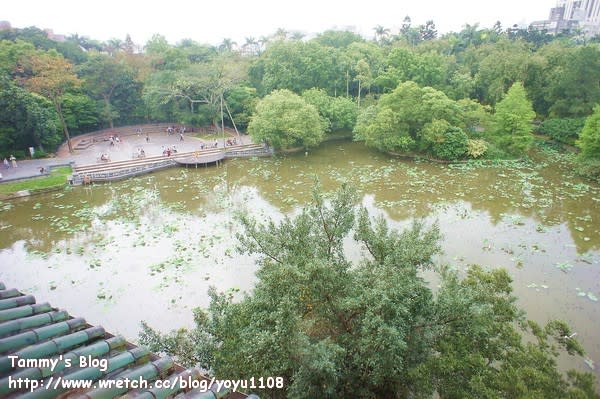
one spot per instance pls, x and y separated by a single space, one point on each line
112 171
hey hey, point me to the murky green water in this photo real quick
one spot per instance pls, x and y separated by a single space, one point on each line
148 248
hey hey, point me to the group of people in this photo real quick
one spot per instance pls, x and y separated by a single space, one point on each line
139 153
12 163
180 130
169 150
175 129
114 139
204 145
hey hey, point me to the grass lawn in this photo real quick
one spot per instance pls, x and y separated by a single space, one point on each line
58 178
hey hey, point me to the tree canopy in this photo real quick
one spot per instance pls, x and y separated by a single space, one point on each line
186 81
284 120
589 141
513 121
337 328
50 75
399 120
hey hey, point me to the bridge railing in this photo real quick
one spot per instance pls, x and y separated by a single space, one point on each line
124 169
120 173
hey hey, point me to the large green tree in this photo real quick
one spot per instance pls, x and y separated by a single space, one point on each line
374 328
396 124
340 112
403 64
296 66
574 87
338 38
26 120
81 113
513 121
499 65
283 119
198 88
50 75
104 76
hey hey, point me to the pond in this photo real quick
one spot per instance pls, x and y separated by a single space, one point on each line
148 248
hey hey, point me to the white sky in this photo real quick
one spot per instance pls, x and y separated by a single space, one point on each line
211 21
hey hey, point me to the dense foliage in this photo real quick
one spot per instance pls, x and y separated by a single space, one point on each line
353 82
589 143
414 118
371 328
563 130
513 121
339 112
284 120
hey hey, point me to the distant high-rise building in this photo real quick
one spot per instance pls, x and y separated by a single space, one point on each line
569 15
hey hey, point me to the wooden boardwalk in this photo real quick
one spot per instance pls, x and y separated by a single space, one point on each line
111 171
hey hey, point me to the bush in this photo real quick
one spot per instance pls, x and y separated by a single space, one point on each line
476 148
563 130
40 154
19 154
588 168
453 146
589 139
494 152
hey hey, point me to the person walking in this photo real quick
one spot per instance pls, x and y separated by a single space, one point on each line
6 164
13 161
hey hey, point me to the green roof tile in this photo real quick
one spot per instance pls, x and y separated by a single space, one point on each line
32 331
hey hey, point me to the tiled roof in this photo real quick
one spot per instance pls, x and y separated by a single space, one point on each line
75 351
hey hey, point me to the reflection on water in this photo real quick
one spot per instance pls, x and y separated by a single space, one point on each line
148 248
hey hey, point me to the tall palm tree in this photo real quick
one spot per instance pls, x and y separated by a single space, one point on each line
381 33
296 35
281 34
251 45
112 46
262 43
470 35
227 45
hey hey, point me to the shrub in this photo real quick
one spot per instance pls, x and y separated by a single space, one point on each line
588 168
453 146
40 154
19 154
494 152
589 139
476 148
563 130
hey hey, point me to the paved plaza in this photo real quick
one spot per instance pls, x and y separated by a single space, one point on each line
152 143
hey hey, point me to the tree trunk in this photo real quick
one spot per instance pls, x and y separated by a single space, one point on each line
64 124
107 110
222 121
359 94
347 85
231 117
37 141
